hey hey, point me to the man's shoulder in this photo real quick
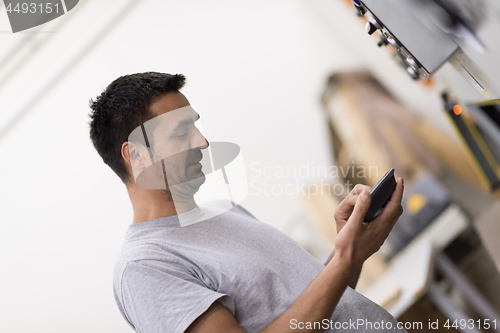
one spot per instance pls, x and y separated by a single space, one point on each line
147 258
153 249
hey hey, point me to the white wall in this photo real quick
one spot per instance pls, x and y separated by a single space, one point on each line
255 71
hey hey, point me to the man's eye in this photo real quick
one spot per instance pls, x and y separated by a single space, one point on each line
181 136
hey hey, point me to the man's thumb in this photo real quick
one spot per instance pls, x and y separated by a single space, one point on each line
361 207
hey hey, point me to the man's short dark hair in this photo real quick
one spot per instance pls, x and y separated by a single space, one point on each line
123 106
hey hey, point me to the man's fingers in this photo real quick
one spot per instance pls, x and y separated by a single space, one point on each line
360 208
344 210
346 207
356 189
348 203
397 196
359 188
393 210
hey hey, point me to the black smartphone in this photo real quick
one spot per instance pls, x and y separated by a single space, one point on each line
381 193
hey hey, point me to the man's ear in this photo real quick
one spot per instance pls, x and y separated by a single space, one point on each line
126 151
133 153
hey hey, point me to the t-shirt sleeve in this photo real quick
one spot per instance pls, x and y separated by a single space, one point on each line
165 298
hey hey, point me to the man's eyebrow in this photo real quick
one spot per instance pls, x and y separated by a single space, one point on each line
185 122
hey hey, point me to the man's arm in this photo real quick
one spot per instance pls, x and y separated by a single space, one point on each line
355 243
341 215
355 277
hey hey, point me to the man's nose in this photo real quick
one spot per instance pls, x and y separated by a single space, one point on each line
199 141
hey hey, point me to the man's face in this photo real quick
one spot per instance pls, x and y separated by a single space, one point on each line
176 144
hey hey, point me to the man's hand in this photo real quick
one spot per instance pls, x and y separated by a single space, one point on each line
356 240
342 213
344 210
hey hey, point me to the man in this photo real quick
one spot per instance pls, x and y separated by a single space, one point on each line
230 273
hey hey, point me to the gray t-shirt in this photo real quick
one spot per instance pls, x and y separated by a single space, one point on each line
166 276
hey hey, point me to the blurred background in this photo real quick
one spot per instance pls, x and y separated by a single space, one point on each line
316 107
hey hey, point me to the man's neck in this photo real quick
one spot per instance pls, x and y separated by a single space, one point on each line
153 204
